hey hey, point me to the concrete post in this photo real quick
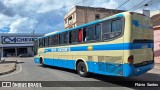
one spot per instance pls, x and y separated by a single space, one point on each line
2 52
16 51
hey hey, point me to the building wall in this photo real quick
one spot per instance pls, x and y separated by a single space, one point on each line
157 44
82 15
69 14
88 15
10 38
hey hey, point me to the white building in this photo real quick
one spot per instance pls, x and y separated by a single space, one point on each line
14 44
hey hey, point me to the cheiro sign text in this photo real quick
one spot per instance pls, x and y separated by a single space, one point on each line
6 39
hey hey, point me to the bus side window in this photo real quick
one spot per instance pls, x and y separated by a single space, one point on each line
90 33
117 25
84 35
52 40
80 35
43 42
61 38
98 32
40 43
116 28
106 30
46 41
70 37
66 37
56 41
49 41
73 36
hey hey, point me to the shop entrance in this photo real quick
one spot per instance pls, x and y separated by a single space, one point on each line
21 51
12 52
9 52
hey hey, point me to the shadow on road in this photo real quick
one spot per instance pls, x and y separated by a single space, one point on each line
119 81
8 62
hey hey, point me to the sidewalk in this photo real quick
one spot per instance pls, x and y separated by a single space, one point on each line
157 60
7 66
157 66
155 70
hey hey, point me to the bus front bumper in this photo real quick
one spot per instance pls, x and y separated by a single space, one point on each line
37 60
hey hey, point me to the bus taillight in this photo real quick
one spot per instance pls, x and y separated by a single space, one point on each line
130 59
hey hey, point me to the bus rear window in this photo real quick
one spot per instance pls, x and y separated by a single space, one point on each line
116 26
112 28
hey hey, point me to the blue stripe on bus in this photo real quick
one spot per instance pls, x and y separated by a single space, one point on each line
120 46
70 64
104 68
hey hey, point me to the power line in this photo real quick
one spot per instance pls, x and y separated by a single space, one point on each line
151 3
136 5
146 4
122 4
83 1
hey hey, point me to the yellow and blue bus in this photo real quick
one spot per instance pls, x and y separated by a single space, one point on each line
118 45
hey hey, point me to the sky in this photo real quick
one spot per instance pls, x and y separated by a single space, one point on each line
44 16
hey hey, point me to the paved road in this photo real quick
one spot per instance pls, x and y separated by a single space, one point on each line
27 70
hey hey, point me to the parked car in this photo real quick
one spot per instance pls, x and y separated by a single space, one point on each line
25 55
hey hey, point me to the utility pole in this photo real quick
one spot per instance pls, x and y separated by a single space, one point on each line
33 43
83 3
33 34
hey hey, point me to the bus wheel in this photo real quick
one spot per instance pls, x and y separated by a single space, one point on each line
81 69
42 62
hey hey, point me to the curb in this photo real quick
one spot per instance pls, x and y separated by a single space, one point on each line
13 69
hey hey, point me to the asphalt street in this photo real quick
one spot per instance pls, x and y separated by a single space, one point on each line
27 70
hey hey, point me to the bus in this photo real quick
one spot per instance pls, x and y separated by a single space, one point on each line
118 45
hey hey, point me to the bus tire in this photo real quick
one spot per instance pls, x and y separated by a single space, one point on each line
42 62
82 69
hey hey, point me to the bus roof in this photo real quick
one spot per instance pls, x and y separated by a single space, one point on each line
84 25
